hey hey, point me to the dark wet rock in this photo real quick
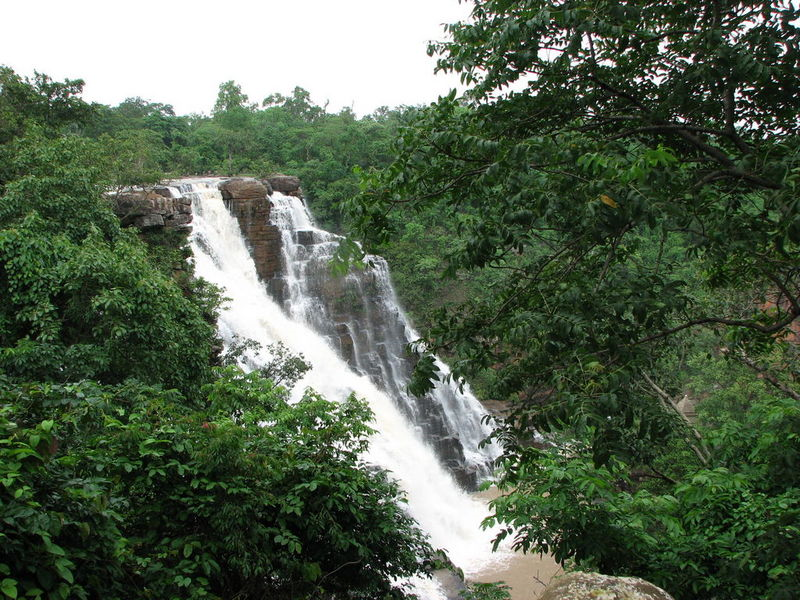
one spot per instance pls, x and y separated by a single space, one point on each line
149 221
466 477
276 288
346 348
305 238
356 314
163 190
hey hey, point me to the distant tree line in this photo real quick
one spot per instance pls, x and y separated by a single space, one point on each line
289 134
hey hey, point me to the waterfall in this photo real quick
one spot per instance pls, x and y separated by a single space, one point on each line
449 515
360 316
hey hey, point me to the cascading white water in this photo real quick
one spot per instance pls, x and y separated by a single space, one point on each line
448 514
360 316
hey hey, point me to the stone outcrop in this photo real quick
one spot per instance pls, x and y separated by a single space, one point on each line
286 184
358 315
247 200
150 209
593 586
688 407
242 188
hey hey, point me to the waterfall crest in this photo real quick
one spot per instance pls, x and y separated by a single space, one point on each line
445 511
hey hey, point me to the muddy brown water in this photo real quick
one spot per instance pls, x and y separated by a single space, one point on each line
526 574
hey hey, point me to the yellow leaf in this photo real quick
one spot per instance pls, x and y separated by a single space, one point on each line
608 200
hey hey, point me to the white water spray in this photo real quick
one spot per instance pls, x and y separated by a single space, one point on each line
360 316
448 514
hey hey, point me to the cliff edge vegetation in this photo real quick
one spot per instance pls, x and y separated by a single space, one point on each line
133 461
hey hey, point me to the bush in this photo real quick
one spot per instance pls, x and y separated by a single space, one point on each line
110 489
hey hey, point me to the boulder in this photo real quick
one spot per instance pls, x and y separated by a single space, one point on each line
163 190
149 221
242 188
179 219
286 184
147 209
128 205
594 586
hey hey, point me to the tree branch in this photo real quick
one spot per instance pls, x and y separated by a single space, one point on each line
775 327
611 253
339 568
700 449
737 173
768 377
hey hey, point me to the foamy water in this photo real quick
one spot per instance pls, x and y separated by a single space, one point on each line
450 516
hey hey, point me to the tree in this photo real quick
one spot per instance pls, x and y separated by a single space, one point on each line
629 171
299 104
131 491
82 299
132 158
129 467
233 114
230 97
52 105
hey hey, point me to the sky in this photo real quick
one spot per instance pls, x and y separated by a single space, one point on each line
360 54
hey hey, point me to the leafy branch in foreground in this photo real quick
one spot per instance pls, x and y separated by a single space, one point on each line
628 175
121 490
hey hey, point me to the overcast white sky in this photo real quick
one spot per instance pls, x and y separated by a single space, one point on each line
359 53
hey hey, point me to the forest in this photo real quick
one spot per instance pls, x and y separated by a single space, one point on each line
602 231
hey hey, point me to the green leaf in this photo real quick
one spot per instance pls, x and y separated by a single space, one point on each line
9 587
53 548
63 567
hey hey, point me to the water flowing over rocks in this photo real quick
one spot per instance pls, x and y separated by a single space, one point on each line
247 200
357 314
593 586
360 317
443 509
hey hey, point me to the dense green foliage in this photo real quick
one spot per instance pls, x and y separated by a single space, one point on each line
82 300
289 134
624 179
124 491
131 464
614 206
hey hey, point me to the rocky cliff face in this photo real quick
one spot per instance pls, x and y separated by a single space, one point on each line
150 209
358 313
247 200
